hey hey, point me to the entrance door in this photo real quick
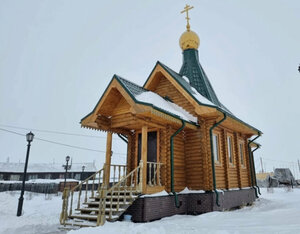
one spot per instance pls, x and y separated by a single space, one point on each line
151 150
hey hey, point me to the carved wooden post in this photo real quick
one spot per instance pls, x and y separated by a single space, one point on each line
144 156
108 159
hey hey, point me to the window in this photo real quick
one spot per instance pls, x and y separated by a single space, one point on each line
32 176
77 176
241 145
15 177
229 148
216 147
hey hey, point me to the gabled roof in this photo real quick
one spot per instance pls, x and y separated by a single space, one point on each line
199 98
202 100
145 97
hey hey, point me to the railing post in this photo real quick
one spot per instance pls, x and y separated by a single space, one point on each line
158 174
149 165
102 205
64 211
79 196
140 176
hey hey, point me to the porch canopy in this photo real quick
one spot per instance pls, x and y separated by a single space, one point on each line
125 108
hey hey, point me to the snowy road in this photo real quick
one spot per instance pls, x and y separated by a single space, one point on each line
277 212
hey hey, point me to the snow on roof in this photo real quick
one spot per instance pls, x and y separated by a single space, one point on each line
201 98
186 79
158 101
45 167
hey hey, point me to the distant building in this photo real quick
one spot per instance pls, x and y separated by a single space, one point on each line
264 175
14 171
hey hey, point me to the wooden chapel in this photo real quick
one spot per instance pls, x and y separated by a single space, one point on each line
181 140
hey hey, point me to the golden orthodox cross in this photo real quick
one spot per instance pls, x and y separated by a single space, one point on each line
186 9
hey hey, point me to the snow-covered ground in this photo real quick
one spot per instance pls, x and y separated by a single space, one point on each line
277 212
40 213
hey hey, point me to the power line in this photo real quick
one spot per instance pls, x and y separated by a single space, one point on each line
54 132
12 132
58 143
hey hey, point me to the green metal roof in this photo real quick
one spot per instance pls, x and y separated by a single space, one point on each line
192 69
133 88
199 81
188 87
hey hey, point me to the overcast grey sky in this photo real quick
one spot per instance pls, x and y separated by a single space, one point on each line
57 57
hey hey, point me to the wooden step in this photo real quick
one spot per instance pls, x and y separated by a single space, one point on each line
133 196
79 224
95 203
96 210
113 201
121 192
84 217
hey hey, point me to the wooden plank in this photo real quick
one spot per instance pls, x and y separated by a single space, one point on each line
108 158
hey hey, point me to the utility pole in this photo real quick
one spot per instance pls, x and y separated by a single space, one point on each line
299 165
261 164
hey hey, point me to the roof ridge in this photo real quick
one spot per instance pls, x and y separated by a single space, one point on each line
126 80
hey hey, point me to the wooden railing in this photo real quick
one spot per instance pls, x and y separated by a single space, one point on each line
120 193
89 188
154 172
117 172
123 191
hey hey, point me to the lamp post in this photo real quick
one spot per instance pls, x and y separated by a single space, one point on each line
67 166
29 138
83 167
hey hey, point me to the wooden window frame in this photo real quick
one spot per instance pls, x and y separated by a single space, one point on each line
231 149
242 158
218 161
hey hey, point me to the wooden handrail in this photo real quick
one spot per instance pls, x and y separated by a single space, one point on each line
85 181
104 195
68 195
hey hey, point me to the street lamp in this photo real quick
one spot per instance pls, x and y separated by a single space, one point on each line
29 138
83 167
67 167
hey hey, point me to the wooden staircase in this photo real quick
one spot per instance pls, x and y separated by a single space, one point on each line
96 202
115 206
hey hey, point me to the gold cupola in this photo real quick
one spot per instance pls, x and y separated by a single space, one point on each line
188 39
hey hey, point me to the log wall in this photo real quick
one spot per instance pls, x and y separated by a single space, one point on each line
229 175
165 88
179 162
194 160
